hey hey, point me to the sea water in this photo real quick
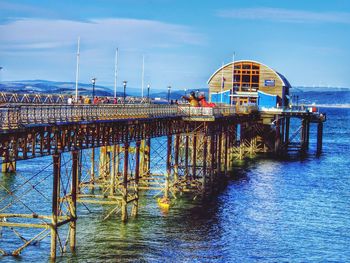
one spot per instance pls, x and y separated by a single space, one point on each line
291 210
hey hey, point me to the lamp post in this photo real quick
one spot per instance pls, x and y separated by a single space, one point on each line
148 88
169 88
185 92
197 92
124 85
93 80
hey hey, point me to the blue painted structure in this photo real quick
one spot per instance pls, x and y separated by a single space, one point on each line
267 100
216 97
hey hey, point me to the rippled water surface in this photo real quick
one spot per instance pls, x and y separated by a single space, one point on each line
295 210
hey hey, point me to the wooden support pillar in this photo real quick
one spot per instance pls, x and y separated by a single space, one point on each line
226 138
219 152
73 205
135 206
55 203
9 167
194 156
124 208
242 135
113 173
168 167
148 149
303 135
92 175
186 156
283 121
103 163
212 159
307 131
176 157
286 138
277 136
117 160
319 137
205 156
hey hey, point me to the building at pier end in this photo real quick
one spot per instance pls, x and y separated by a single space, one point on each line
247 82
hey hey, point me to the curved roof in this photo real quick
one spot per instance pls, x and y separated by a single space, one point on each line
282 78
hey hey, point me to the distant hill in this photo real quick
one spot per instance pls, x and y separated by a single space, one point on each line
51 87
66 88
317 89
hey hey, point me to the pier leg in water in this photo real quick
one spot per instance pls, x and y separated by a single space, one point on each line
9 167
277 136
303 135
73 203
113 173
165 201
194 156
205 157
55 203
286 135
176 157
319 137
135 206
124 209
226 140
92 175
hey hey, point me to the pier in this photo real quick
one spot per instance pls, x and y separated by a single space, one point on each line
111 148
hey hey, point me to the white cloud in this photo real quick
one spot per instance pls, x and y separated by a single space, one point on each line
127 33
285 15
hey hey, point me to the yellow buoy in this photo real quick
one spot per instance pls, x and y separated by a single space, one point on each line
163 203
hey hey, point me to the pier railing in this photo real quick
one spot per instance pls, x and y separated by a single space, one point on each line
6 97
14 116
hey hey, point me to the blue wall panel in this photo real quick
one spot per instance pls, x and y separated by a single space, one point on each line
266 100
216 97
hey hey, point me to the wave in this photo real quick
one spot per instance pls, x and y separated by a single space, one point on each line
326 105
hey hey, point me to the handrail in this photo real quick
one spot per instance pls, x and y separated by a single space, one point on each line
16 115
32 98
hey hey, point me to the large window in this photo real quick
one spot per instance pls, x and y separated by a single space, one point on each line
246 76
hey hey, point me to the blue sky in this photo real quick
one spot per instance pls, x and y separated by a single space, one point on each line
183 42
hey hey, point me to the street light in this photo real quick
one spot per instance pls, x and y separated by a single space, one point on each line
148 88
185 92
124 85
93 80
169 88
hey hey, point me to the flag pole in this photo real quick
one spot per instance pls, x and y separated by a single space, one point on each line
115 72
77 71
143 74
233 77
222 80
